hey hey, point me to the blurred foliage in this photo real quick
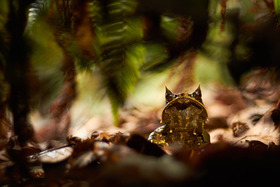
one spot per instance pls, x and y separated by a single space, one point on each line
277 7
125 41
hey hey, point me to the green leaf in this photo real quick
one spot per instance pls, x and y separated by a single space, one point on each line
120 71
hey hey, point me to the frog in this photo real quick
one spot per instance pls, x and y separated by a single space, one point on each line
183 119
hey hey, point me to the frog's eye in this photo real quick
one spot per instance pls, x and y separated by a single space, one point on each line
197 94
169 96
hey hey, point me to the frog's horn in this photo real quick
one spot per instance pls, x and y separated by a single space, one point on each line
197 94
169 96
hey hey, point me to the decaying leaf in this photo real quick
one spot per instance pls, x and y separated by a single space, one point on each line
252 124
53 155
265 130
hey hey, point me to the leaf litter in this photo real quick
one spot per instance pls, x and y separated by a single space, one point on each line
245 145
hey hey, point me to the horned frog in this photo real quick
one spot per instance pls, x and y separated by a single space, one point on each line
183 120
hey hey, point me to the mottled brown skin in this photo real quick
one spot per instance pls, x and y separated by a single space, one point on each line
183 120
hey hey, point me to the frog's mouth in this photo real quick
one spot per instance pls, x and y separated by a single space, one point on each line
182 103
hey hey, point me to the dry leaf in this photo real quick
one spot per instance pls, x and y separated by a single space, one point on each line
249 126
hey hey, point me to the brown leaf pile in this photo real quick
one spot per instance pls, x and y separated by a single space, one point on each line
244 149
123 159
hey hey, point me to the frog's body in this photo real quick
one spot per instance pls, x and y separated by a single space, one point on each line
183 120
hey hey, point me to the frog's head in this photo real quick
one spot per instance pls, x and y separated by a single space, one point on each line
169 96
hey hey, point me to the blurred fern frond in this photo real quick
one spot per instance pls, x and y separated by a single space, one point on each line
122 38
116 35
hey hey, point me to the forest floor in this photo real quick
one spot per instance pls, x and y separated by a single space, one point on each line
244 149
